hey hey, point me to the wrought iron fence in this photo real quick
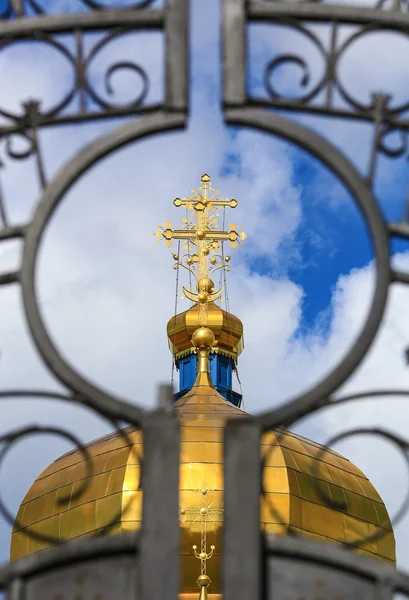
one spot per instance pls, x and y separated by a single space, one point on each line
261 572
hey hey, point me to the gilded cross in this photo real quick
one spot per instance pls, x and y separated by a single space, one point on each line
202 238
205 511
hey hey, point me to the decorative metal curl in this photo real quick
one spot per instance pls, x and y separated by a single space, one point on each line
10 438
131 66
48 40
94 5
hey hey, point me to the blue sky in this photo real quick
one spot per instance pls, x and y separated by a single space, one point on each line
300 283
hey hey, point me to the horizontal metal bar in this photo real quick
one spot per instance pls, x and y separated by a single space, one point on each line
316 110
340 13
69 553
399 229
8 233
300 547
87 21
52 120
399 276
11 277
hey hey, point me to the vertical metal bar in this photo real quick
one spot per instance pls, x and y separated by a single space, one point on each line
16 589
176 55
242 559
234 49
18 7
159 546
3 214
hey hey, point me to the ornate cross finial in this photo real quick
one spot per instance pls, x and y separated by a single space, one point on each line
203 512
202 237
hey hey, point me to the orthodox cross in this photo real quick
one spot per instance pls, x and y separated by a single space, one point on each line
201 233
203 512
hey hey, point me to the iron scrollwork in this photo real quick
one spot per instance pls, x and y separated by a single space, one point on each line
326 94
29 21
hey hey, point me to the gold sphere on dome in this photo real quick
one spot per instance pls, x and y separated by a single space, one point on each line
203 337
203 580
205 284
201 234
202 297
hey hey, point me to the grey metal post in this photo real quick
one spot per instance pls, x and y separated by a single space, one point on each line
242 560
160 546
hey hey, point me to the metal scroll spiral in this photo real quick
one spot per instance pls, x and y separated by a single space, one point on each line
328 82
36 6
8 440
82 85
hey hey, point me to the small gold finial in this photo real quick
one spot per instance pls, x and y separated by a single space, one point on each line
201 239
203 581
203 340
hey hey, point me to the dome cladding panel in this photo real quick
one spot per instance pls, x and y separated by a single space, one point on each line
292 465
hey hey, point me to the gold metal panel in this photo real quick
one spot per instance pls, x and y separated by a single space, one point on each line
273 456
39 509
201 434
19 546
192 475
132 506
383 517
118 458
308 488
269 438
295 511
62 499
355 530
19 517
281 506
386 546
370 491
97 488
346 480
342 463
322 520
290 459
275 479
43 485
290 442
99 463
361 507
186 540
78 520
130 526
116 480
107 509
213 452
62 463
191 452
80 472
275 528
132 478
337 494
293 482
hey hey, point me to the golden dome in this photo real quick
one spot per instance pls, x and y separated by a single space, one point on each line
293 464
227 330
288 481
